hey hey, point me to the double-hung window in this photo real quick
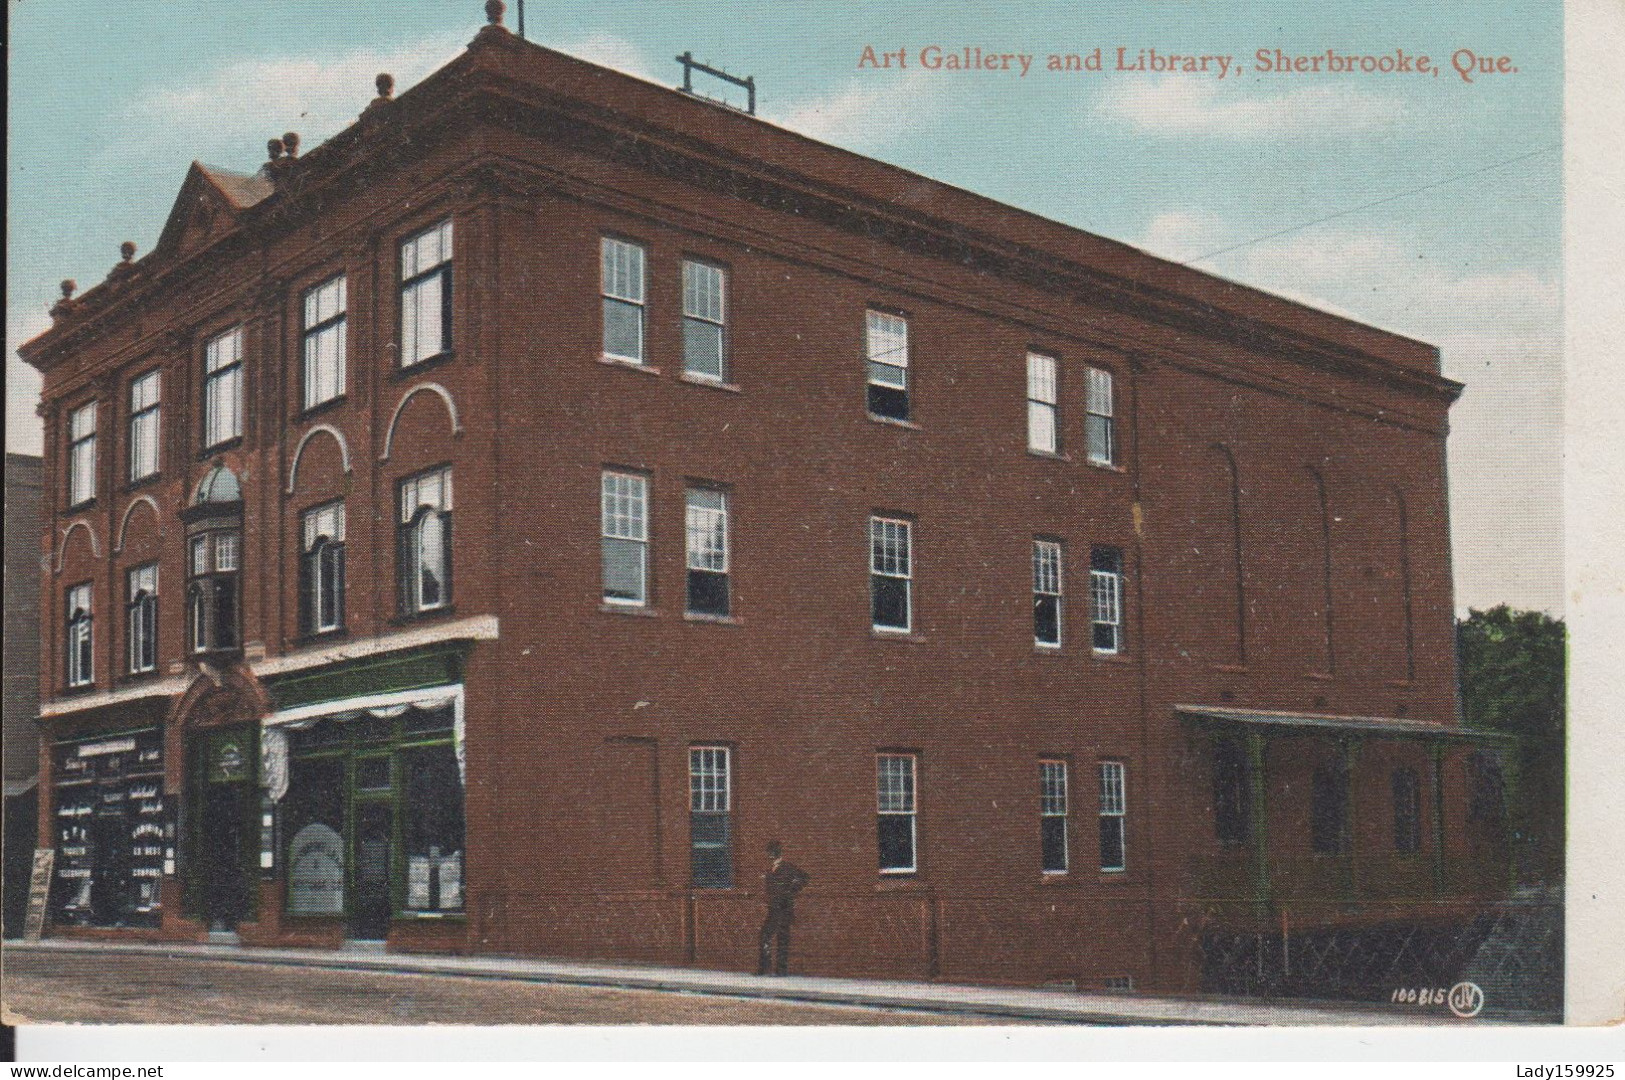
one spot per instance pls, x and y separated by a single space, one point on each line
423 541
707 524
709 806
426 295
1113 815
624 511
212 590
223 388
1407 812
886 346
143 618
1046 592
623 291
1329 809
82 455
1042 398
1052 816
79 648
324 341
144 405
891 571
894 783
1098 421
1106 598
704 320
321 570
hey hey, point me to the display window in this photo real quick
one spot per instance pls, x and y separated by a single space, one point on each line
113 830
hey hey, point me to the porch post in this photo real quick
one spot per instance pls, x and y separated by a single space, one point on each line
1350 748
1257 815
1438 819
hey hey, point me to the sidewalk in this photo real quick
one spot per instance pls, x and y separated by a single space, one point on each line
1014 1005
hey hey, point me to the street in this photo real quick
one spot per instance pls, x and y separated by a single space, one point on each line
109 988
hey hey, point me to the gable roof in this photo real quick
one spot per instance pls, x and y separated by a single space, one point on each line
208 205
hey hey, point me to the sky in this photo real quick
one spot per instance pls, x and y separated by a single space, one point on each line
1427 203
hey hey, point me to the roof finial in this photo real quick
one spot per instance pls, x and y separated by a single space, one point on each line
273 149
386 85
290 139
494 10
67 305
127 249
69 286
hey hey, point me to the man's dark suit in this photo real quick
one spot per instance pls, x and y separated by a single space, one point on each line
782 883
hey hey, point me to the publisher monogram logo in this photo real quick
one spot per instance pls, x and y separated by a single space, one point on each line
1465 1000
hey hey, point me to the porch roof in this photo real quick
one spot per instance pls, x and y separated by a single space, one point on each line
1297 723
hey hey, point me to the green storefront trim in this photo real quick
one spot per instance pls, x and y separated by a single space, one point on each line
413 669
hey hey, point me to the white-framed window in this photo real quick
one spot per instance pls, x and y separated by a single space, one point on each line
325 330
426 294
321 569
1043 392
144 414
1052 815
891 572
1113 815
424 541
213 590
624 508
1098 420
143 618
623 292
896 810
1106 598
706 514
705 320
710 806
1046 592
79 646
223 388
82 454
886 349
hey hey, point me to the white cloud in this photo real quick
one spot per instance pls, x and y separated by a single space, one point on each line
260 97
607 50
868 111
1183 105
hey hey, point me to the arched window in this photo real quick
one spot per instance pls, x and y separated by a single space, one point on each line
423 541
143 619
78 645
212 594
321 570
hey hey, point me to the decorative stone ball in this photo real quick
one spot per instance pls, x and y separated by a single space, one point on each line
385 83
127 249
494 10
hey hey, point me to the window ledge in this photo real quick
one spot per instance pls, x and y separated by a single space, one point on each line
898 879
146 481
1049 455
893 421
1111 657
628 365
323 637
1040 649
1107 466
80 507
429 916
78 690
410 617
895 635
136 678
712 384
721 620
641 610
1113 875
313 411
220 448
1051 879
411 371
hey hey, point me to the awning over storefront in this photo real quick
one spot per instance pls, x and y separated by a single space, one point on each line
1294 723
274 729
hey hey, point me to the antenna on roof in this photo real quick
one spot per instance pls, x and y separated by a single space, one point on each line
691 65
521 19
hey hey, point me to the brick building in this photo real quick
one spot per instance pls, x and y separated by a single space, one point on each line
485 531
22 680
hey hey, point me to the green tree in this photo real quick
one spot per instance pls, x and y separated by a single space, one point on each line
1512 670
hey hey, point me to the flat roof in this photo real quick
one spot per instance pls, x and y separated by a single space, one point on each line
1393 727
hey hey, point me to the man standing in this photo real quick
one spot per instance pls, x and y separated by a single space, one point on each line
781 883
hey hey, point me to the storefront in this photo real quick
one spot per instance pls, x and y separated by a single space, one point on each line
113 828
366 804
